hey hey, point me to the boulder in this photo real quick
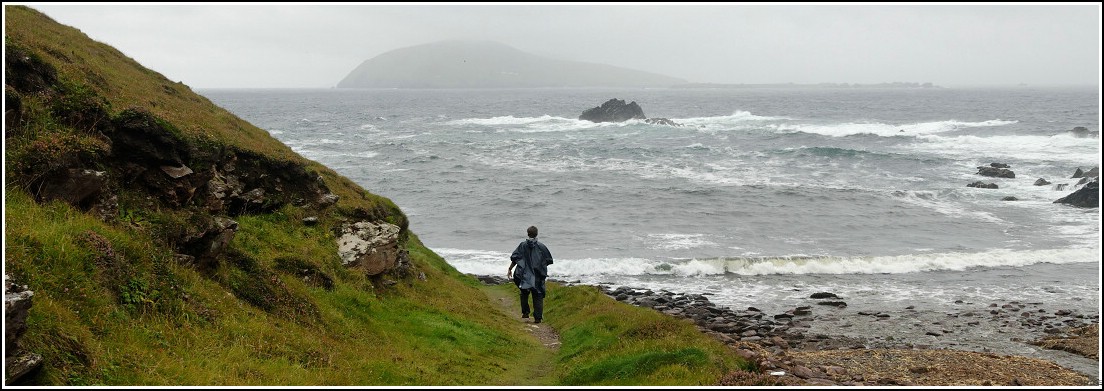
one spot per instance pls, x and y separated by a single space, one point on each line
206 239
1083 132
983 185
661 121
1087 196
1093 173
373 247
1010 198
17 303
996 172
614 110
999 165
75 186
1041 182
1078 173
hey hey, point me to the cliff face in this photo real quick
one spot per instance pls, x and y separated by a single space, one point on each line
474 64
132 200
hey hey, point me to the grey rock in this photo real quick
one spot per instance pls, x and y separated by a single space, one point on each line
370 246
176 172
613 110
996 172
1087 196
823 295
983 185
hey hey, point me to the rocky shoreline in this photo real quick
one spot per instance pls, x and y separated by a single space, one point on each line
779 343
789 350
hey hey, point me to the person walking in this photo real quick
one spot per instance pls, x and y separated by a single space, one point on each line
531 259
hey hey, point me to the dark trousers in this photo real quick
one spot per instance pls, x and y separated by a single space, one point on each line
538 303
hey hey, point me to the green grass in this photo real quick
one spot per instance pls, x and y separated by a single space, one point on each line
441 331
608 343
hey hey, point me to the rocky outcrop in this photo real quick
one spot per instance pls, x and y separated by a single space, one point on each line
661 121
1041 182
371 247
76 186
614 110
206 240
1092 173
999 165
1083 132
17 303
995 172
983 185
1087 196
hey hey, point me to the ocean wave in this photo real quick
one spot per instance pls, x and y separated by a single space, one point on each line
1020 148
738 116
494 263
675 241
542 124
508 120
887 130
943 203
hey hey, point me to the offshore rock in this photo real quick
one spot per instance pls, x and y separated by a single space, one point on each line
1085 197
1041 182
996 172
1083 132
614 110
373 247
661 121
983 185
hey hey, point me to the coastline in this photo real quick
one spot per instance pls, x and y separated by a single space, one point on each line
827 343
808 345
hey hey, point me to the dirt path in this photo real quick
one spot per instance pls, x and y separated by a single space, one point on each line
538 368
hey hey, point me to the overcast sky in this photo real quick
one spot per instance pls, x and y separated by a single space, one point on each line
309 45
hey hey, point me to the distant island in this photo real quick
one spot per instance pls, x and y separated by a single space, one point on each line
485 64
814 85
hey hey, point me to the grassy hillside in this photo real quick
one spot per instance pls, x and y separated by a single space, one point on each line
118 300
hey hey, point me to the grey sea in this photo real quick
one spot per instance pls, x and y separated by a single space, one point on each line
763 197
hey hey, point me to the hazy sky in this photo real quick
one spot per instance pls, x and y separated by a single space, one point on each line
310 45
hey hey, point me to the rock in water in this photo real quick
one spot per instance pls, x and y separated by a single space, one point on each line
614 110
662 121
1083 132
996 172
1085 197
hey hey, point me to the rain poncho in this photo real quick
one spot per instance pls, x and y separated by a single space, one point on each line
532 259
